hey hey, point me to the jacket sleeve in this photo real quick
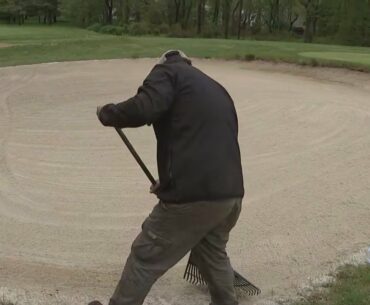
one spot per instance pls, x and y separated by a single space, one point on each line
152 100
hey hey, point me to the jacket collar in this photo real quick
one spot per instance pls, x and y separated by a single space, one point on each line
175 58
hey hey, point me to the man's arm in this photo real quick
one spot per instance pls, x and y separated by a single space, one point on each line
152 100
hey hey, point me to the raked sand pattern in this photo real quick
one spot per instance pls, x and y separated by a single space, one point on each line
72 198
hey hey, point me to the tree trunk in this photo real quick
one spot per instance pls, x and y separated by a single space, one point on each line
109 11
216 12
177 10
187 15
291 22
308 33
277 14
127 12
240 17
311 8
226 17
200 15
235 17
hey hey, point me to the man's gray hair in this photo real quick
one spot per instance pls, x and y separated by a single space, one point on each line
165 56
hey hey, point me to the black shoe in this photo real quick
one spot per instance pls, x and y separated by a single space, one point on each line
95 303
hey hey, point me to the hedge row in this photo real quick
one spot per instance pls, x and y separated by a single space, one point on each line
131 29
137 29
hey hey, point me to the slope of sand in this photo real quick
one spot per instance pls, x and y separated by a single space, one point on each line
72 199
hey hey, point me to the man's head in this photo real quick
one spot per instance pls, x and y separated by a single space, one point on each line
170 53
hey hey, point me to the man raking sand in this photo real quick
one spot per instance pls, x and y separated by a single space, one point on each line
200 174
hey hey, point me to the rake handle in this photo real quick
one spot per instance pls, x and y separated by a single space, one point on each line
136 156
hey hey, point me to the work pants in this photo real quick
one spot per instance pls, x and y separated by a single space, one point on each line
168 234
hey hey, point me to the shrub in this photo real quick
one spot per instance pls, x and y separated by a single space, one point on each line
95 27
177 31
137 28
113 30
249 57
164 28
211 31
155 30
314 62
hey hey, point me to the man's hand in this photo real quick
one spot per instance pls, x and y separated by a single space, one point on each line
155 187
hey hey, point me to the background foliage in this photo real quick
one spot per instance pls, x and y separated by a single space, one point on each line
339 21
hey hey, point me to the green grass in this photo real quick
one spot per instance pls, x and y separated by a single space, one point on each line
352 287
38 43
360 58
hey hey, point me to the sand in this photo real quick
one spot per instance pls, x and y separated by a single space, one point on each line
72 199
4 45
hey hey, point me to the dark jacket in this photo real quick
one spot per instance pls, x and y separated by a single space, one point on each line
196 126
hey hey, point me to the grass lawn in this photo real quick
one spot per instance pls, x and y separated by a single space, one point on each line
352 287
38 43
360 58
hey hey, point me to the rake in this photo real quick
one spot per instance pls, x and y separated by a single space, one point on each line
192 273
241 284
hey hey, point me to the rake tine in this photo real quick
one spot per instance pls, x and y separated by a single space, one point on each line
193 274
189 272
250 290
199 276
186 273
203 280
196 271
195 277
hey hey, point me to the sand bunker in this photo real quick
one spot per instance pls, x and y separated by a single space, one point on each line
4 45
72 198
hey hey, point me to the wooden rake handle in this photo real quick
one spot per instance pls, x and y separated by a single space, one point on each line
136 156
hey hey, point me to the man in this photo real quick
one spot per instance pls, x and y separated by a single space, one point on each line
200 174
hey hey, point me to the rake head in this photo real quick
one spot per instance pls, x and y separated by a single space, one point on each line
244 286
192 275
241 284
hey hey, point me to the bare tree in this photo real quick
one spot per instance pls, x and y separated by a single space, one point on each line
312 13
241 4
108 11
226 10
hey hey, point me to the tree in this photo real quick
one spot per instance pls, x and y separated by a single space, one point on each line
108 9
241 3
200 15
216 12
311 16
354 24
83 12
14 10
226 10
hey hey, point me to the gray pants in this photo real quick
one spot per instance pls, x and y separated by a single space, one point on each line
168 234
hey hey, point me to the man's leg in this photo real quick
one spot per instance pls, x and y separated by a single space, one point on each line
167 235
211 258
